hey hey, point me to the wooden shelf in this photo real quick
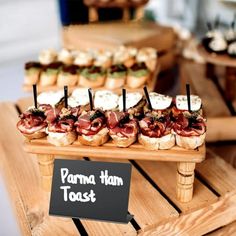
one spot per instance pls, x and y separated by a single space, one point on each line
109 150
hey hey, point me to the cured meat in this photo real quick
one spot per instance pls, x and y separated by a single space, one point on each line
155 128
192 126
119 124
90 123
31 121
62 125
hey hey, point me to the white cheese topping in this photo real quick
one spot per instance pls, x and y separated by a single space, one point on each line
79 97
232 48
159 101
218 44
106 100
214 33
230 34
64 55
51 98
47 56
182 102
83 58
145 54
132 99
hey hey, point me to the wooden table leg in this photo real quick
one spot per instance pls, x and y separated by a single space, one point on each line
185 179
46 163
93 14
230 83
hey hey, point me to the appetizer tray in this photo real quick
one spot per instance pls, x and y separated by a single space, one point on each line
151 83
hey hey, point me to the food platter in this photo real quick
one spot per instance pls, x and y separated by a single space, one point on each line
151 83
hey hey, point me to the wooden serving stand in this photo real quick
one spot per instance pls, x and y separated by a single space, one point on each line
186 159
229 63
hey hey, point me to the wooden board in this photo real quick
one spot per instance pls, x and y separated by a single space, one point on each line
229 229
110 35
221 60
155 210
109 150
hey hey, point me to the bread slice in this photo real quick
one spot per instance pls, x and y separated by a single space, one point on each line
32 78
123 141
136 82
95 140
113 83
94 83
165 142
47 79
69 80
129 62
36 135
61 139
191 142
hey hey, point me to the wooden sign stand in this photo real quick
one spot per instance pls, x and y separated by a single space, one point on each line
186 160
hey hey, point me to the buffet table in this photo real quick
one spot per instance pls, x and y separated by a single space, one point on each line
153 200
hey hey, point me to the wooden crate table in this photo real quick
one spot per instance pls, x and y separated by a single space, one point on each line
186 159
153 200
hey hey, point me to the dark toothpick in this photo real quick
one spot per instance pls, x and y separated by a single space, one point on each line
124 99
90 99
188 97
147 97
35 95
66 96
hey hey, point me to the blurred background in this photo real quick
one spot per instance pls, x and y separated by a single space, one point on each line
27 27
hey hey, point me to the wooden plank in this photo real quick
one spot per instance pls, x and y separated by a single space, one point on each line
149 207
14 194
110 35
205 88
109 150
217 173
24 103
109 229
229 229
24 170
164 175
201 221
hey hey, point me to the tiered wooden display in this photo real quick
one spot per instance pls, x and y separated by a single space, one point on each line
186 159
221 125
125 5
229 63
153 201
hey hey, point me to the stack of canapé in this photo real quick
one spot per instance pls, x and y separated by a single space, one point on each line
92 68
164 124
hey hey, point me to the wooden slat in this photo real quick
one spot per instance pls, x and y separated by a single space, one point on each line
24 170
147 205
109 229
212 102
164 175
18 205
229 229
201 221
109 150
217 173
24 103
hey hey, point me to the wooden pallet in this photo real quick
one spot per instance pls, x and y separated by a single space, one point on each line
153 200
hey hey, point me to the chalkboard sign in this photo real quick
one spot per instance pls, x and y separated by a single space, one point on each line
89 189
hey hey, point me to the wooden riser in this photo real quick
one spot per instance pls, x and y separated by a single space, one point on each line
153 201
221 125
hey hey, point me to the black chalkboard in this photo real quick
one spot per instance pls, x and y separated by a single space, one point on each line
89 189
